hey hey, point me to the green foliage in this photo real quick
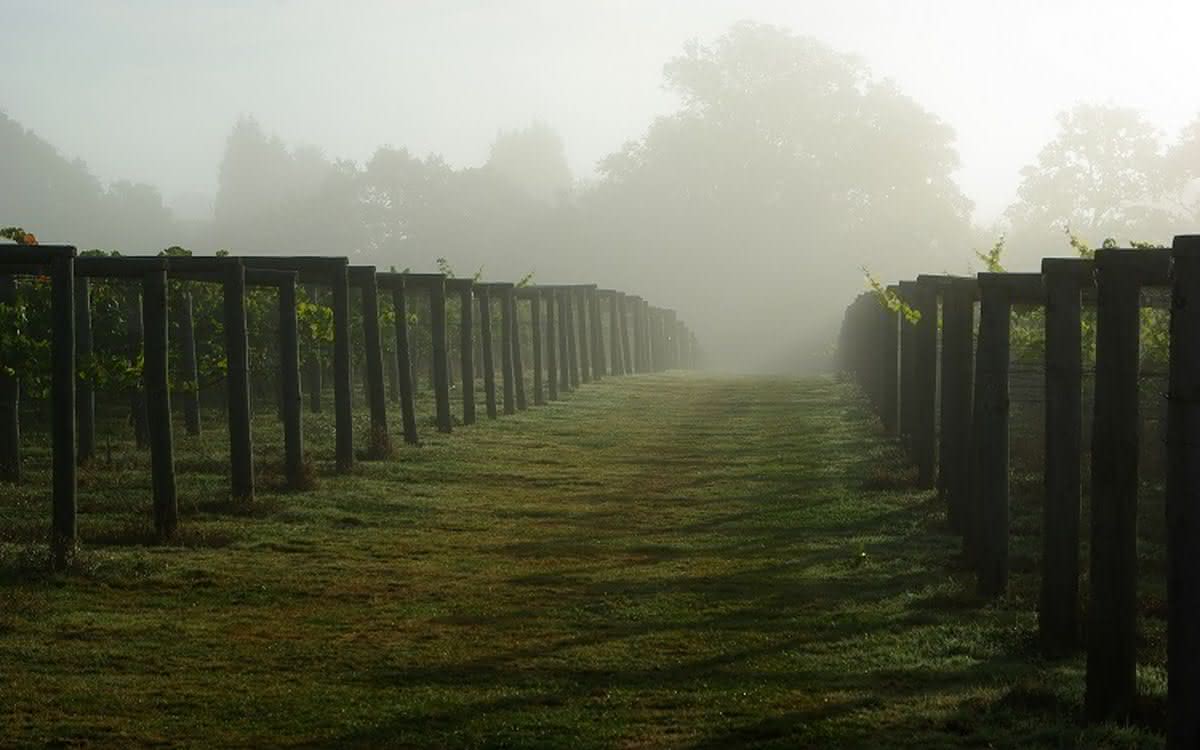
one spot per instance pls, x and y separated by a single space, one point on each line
890 299
992 257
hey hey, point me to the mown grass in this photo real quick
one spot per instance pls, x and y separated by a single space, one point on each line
665 561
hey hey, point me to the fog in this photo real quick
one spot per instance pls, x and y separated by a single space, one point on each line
740 162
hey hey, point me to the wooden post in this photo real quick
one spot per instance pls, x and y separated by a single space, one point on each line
1112 610
1183 500
991 413
133 340
190 387
553 330
598 365
654 346
379 445
958 334
648 324
63 528
564 349
467 354
85 392
908 362
507 356
925 420
1058 604
289 362
441 357
518 359
535 341
890 367
1112 602
489 364
158 403
237 355
408 414
615 365
639 361
626 353
10 390
343 409
580 338
313 360
571 358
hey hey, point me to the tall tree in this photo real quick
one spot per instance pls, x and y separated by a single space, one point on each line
1102 176
533 160
787 164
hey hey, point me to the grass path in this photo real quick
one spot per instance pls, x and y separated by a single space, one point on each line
654 562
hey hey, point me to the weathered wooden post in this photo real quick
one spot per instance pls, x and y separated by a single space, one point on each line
623 326
997 291
890 366
466 344
158 402
441 358
507 356
535 341
134 336
189 388
289 362
990 486
363 277
908 362
925 419
681 346
313 362
63 529
85 392
615 366
580 338
483 294
564 349
518 369
1183 499
572 358
598 365
1058 604
660 339
958 335
653 345
237 355
670 342
408 413
342 389
638 334
10 390
553 329
1112 602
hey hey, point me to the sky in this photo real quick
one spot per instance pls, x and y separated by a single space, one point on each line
147 90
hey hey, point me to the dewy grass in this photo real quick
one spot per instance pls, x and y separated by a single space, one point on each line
677 561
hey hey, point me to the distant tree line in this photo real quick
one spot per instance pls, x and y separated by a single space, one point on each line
786 161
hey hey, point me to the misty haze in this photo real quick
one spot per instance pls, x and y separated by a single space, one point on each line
656 374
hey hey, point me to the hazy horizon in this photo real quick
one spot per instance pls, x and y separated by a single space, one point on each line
148 92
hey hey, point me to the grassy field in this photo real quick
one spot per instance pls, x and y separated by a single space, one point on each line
662 561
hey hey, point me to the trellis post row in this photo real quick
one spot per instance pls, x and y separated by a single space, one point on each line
959 347
575 333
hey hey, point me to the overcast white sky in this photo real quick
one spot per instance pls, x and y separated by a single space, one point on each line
148 89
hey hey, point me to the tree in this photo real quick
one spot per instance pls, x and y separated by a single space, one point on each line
1103 175
786 168
533 161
